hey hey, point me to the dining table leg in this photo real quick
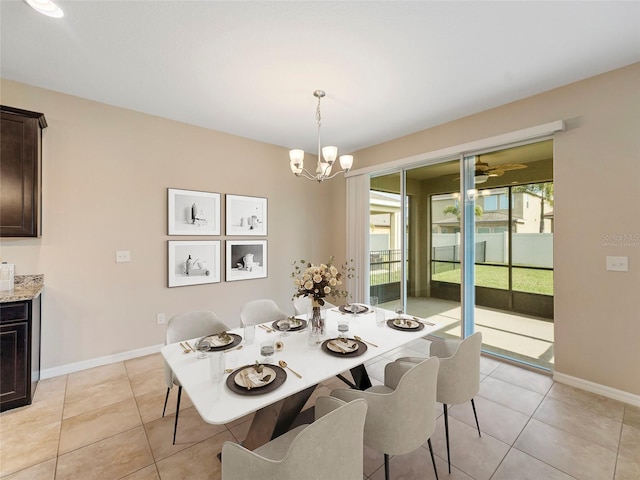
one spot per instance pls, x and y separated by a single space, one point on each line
273 420
361 377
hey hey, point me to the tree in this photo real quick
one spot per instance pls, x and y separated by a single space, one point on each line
544 191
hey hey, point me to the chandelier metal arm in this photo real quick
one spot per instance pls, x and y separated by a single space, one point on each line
329 159
331 176
306 174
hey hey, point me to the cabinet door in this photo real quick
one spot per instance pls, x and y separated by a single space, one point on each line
14 375
20 158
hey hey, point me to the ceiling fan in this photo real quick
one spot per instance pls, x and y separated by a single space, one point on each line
483 171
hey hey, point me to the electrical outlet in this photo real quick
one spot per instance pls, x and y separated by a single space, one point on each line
160 318
123 256
618 264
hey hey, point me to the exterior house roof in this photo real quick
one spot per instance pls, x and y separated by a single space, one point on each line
492 217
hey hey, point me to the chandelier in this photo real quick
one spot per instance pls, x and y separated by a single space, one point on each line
326 156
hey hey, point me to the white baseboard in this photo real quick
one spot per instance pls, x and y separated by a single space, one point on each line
603 390
98 362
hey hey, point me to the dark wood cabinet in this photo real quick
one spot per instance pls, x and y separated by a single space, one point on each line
20 171
19 352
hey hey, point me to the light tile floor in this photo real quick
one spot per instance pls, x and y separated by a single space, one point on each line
106 423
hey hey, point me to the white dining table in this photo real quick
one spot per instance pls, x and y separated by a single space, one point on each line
217 404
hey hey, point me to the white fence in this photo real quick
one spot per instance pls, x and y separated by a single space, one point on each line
533 249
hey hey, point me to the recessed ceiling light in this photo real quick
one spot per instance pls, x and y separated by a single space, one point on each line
46 7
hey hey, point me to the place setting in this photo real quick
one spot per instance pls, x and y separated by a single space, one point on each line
217 342
343 345
261 377
256 379
289 324
406 323
354 308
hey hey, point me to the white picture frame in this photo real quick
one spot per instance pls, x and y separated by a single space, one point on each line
246 215
193 262
192 212
246 259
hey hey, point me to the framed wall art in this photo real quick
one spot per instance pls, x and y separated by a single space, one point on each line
246 215
191 212
246 259
193 262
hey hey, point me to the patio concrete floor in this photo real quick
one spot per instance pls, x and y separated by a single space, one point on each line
523 338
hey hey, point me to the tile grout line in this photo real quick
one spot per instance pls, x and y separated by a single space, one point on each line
553 426
146 436
617 449
615 465
512 446
64 401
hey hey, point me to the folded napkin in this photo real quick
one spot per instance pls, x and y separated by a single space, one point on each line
216 341
256 378
336 344
406 323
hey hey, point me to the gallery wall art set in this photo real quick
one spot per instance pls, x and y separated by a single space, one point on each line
195 262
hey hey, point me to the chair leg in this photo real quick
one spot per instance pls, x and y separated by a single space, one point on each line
166 397
433 459
175 425
476 415
446 433
386 467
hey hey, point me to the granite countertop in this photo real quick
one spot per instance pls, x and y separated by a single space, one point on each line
26 287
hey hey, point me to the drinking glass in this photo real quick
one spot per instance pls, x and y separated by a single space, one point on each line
284 325
231 358
249 333
343 326
399 311
381 318
202 348
267 349
217 365
373 302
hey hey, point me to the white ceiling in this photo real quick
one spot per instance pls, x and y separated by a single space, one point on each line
389 68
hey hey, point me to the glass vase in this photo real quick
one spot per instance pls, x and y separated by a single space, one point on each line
316 318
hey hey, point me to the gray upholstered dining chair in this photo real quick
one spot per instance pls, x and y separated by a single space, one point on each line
301 305
184 327
408 387
328 448
459 375
261 311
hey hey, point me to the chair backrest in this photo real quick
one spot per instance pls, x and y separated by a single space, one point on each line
190 325
193 324
400 421
329 448
402 413
302 304
459 375
260 311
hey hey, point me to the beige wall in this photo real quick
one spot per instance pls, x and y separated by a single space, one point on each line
597 178
106 171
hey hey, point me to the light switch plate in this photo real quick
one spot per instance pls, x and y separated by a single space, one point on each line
617 264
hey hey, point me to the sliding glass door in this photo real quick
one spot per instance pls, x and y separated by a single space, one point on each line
476 253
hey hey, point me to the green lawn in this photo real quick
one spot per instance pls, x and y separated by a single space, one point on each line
524 279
